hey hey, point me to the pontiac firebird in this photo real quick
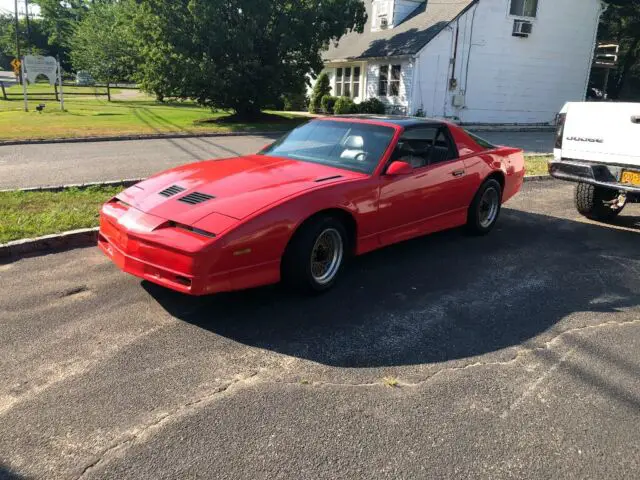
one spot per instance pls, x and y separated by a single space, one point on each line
329 189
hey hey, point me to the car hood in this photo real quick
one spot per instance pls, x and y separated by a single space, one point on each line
238 187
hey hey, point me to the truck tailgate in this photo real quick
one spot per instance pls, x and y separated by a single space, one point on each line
603 132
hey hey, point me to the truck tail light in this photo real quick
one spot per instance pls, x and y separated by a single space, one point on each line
560 131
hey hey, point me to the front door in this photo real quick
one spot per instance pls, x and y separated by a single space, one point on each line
428 199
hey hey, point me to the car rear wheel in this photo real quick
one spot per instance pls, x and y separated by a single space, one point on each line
595 202
314 258
485 208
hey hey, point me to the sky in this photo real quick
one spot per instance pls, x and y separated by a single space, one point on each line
8 6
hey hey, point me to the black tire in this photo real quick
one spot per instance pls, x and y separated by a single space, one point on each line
475 225
590 202
296 263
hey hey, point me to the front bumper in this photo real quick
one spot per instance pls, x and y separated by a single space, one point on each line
135 261
593 173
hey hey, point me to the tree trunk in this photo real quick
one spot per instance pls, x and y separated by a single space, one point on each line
247 111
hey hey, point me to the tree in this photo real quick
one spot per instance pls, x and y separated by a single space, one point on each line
5 54
36 44
621 24
59 20
321 89
238 54
103 43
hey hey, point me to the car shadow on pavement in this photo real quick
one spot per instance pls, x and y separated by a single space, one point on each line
8 474
441 297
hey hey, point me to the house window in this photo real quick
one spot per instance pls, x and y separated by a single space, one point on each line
348 82
356 82
383 81
524 8
389 86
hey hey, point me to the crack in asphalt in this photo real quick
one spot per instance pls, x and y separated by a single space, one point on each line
520 354
182 410
253 378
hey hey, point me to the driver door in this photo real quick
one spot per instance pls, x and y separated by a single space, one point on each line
427 199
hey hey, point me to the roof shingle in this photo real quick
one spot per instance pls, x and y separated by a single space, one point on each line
406 38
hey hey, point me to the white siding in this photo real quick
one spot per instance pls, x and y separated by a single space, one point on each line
378 8
406 79
506 79
432 67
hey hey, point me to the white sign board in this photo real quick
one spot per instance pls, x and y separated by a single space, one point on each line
35 65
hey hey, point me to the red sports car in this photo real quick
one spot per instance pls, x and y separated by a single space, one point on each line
295 211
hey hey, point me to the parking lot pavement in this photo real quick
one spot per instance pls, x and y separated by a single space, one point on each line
516 356
57 164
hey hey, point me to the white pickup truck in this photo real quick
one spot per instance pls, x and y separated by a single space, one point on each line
598 146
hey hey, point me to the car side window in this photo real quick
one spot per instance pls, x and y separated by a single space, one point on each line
443 148
414 146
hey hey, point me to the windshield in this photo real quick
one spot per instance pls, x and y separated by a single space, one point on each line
349 145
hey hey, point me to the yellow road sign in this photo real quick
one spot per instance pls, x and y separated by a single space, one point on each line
15 64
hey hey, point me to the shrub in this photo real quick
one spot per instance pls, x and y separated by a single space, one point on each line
372 105
419 113
328 103
344 106
295 102
321 88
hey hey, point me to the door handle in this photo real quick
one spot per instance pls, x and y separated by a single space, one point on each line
457 173
635 119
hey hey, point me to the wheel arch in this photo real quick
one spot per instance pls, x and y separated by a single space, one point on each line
346 217
499 176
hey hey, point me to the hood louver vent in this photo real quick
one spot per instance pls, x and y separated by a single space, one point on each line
324 179
171 191
195 197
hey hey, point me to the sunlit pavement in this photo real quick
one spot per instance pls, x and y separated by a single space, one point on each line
513 356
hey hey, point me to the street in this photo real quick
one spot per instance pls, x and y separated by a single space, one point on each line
68 163
7 78
514 355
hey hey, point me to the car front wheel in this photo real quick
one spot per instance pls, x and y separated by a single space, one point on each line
315 255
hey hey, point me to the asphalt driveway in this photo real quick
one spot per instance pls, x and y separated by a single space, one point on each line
516 356
59 164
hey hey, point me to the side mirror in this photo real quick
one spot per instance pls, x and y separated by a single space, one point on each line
399 168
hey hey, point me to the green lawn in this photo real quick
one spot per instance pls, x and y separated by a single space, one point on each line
537 164
129 112
33 214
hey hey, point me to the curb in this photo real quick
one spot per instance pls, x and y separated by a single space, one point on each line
150 136
59 188
88 237
538 178
48 244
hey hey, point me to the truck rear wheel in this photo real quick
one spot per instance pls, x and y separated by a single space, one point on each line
594 202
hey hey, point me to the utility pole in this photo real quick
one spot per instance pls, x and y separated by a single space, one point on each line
26 16
18 38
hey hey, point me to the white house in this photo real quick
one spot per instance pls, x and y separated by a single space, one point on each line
475 61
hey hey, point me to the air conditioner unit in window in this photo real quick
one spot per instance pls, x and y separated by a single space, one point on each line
522 28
